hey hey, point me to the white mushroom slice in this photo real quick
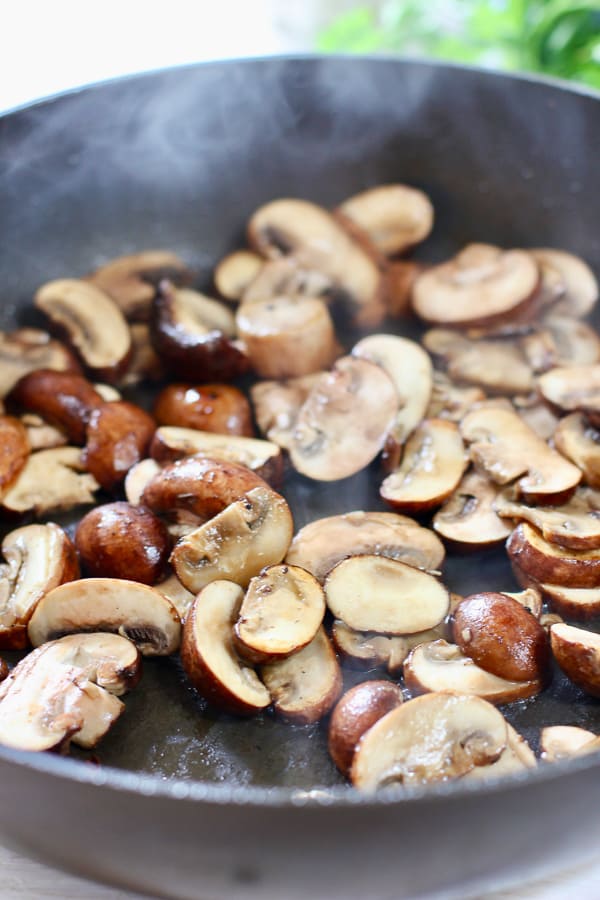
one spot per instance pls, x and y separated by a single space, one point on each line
66 690
369 650
321 544
579 284
431 468
482 285
468 517
577 652
575 603
131 280
196 313
558 742
373 593
451 401
432 738
306 685
287 337
580 442
530 598
517 757
51 480
571 342
507 449
236 544
284 277
235 272
40 434
38 558
536 414
411 373
94 324
343 423
440 666
209 656
277 404
572 388
281 613
394 216
128 608
26 349
108 393
550 563
574 524
318 243
138 478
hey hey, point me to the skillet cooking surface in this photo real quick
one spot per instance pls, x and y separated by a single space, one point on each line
179 160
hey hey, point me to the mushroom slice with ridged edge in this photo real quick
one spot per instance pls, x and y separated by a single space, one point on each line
51 481
277 404
410 370
132 280
27 349
235 272
67 690
209 656
558 742
263 457
318 243
574 524
344 421
432 465
136 611
92 322
579 441
550 563
579 286
507 449
321 544
577 652
451 401
481 286
468 518
517 757
440 666
395 217
14 451
252 532
572 388
370 650
433 738
305 686
357 711
373 593
38 558
281 613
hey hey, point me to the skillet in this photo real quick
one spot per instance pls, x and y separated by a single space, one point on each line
187 803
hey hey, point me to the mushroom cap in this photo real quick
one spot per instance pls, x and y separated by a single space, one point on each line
579 441
357 711
468 517
574 524
395 217
577 652
571 388
579 286
235 272
551 563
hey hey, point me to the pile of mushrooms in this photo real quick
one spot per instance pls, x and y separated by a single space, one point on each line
487 431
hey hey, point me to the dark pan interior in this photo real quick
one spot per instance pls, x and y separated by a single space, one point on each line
179 159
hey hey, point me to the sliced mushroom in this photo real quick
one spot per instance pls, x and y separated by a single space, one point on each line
580 288
277 404
561 341
432 738
235 272
209 656
370 650
14 451
530 598
262 457
180 597
507 449
535 413
218 408
440 666
399 279
27 349
133 610
284 277
558 742
574 524
193 335
92 322
410 371
138 477
41 435
572 388
52 480
517 757
575 603
374 593
330 440
394 216
577 652
580 442
549 563
451 401
144 363
321 544
67 691
318 243
482 285
38 558
132 280
252 532
305 686
468 519
431 468
356 712
63 399
118 436
281 613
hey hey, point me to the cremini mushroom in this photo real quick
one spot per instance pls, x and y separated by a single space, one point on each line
371 650
569 342
219 408
468 518
577 652
51 481
277 404
65 400
354 713
330 441
305 686
548 562
516 757
67 690
574 524
14 451
118 436
451 401
536 414
41 435
579 441
574 603
235 272
208 653
394 217
572 388
284 277
558 742
530 598
116 605
579 288
144 363
140 475
374 593
27 349
179 596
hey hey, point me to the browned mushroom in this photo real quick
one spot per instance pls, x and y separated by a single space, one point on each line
395 217
516 757
138 477
356 712
27 349
574 524
536 414
575 603
63 399
118 436
558 742
577 652
51 481
561 341
14 451
468 518
285 277
572 388
207 407
579 288
235 272
277 404
371 650
399 279
580 442
451 401
549 563
144 363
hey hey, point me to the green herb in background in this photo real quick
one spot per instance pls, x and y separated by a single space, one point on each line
556 37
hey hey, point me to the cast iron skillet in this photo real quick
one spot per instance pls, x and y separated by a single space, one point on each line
187 803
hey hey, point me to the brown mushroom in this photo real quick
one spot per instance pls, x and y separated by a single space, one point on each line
14 451
572 388
144 363
277 404
63 399
574 524
575 603
27 349
561 341
370 650
530 598
51 481
395 217
180 597
579 441
577 652
235 272
536 414
206 407
118 436
516 757
579 286
468 518
356 712
41 435
305 686
399 279
451 401
550 563
558 742
284 277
